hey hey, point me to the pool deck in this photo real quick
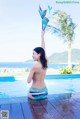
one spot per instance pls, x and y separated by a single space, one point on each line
58 106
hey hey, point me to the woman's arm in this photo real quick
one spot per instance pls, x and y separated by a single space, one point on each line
30 77
42 39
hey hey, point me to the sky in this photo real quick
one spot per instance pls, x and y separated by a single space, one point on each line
20 28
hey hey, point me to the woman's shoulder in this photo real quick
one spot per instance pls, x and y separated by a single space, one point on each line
37 65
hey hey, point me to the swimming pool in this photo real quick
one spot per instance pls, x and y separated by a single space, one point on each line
18 87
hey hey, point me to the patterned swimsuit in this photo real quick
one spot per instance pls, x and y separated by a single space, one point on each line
39 93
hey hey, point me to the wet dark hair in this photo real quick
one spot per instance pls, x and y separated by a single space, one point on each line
43 59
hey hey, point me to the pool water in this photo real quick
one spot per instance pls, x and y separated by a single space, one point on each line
19 87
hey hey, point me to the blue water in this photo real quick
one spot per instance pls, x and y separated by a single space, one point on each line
27 65
15 64
18 87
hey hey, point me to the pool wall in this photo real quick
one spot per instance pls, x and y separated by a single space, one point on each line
7 79
54 76
62 76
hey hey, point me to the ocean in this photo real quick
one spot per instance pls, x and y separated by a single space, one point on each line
28 65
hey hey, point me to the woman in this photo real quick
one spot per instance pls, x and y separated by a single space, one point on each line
38 89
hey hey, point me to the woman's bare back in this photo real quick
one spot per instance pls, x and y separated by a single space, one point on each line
39 76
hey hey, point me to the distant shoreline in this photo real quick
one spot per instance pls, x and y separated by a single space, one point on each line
25 72
23 68
22 71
